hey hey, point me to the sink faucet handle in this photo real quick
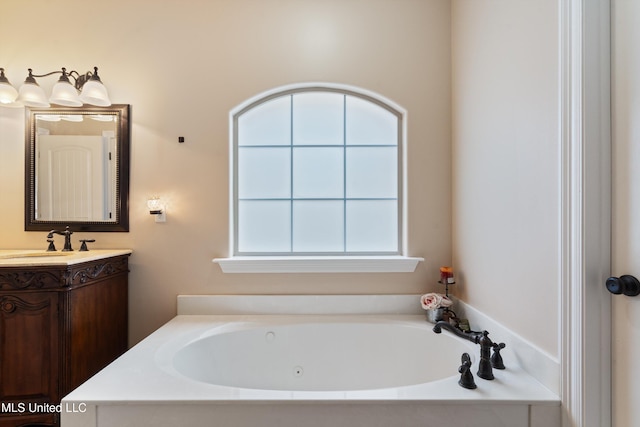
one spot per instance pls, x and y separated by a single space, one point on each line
52 247
496 358
83 246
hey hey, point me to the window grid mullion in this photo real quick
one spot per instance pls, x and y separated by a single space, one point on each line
291 179
344 173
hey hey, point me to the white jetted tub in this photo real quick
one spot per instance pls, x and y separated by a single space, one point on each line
372 368
333 354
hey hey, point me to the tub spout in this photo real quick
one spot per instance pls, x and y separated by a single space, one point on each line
485 370
471 336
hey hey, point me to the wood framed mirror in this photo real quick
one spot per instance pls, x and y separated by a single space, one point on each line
77 168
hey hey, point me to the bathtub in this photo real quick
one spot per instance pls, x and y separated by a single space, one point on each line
334 354
224 364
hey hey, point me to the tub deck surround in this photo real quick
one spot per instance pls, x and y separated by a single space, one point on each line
538 363
143 387
533 360
145 374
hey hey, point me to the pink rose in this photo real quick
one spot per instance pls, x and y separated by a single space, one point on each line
432 301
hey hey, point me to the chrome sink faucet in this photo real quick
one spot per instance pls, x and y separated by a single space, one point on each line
67 239
487 362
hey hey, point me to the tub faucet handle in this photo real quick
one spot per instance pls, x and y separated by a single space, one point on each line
466 377
496 358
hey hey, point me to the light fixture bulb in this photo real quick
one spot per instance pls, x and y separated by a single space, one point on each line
8 93
31 94
154 205
94 92
64 93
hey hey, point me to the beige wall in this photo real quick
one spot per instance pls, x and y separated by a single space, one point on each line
506 162
182 66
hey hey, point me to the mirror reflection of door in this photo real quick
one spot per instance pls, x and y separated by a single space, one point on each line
73 177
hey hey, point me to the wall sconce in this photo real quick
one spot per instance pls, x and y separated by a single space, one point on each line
87 89
157 208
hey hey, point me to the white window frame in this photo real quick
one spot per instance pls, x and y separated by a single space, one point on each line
317 263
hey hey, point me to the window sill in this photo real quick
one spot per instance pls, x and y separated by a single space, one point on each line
318 264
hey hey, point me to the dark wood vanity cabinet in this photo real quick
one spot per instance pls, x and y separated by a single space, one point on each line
59 325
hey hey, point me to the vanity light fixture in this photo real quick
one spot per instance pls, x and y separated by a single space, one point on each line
157 208
86 89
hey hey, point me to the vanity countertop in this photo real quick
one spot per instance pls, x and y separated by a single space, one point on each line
34 257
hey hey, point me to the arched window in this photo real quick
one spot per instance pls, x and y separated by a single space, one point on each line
317 170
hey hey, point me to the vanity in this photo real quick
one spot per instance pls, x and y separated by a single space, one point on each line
63 317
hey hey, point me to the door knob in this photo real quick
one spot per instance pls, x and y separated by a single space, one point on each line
625 284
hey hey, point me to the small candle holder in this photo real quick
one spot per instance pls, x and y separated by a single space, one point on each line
446 279
446 286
